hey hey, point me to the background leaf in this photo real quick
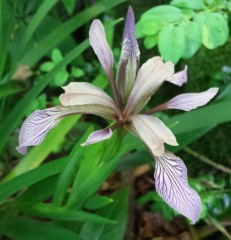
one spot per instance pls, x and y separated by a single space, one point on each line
171 43
214 29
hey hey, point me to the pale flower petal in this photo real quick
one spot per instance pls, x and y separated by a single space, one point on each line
101 48
40 122
129 59
189 101
145 132
150 77
179 78
81 93
98 136
160 129
172 185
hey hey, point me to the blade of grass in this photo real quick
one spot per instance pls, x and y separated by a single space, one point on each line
50 211
70 170
29 178
44 8
23 228
60 33
6 26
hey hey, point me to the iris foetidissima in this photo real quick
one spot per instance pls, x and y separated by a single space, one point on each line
132 89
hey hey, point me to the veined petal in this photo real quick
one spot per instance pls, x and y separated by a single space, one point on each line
150 77
98 136
129 59
100 46
189 101
172 185
160 129
179 78
81 93
145 132
40 122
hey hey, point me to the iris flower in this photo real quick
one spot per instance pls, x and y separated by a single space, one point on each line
132 89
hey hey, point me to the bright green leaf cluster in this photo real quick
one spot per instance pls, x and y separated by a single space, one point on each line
180 29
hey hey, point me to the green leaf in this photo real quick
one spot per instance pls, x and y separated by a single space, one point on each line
117 211
61 78
106 155
31 177
150 41
22 228
39 153
163 14
56 55
171 43
208 117
77 72
50 211
38 192
193 38
97 202
69 5
215 29
47 66
7 21
150 28
70 169
10 88
195 4
55 37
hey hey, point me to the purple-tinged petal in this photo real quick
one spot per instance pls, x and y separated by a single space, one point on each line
98 136
101 48
81 93
179 78
145 132
129 59
189 101
150 77
172 185
40 122
157 126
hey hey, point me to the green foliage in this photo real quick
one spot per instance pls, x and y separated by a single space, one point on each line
53 191
179 29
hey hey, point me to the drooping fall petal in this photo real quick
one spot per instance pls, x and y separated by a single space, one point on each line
82 93
189 101
150 77
40 122
172 185
129 59
98 136
179 78
100 46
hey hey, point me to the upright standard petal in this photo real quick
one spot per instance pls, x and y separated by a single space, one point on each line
150 77
187 101
146 133
100 46
98 136
179 78
129 59
172 185
40 122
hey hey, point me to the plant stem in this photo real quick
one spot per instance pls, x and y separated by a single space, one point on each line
207 160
